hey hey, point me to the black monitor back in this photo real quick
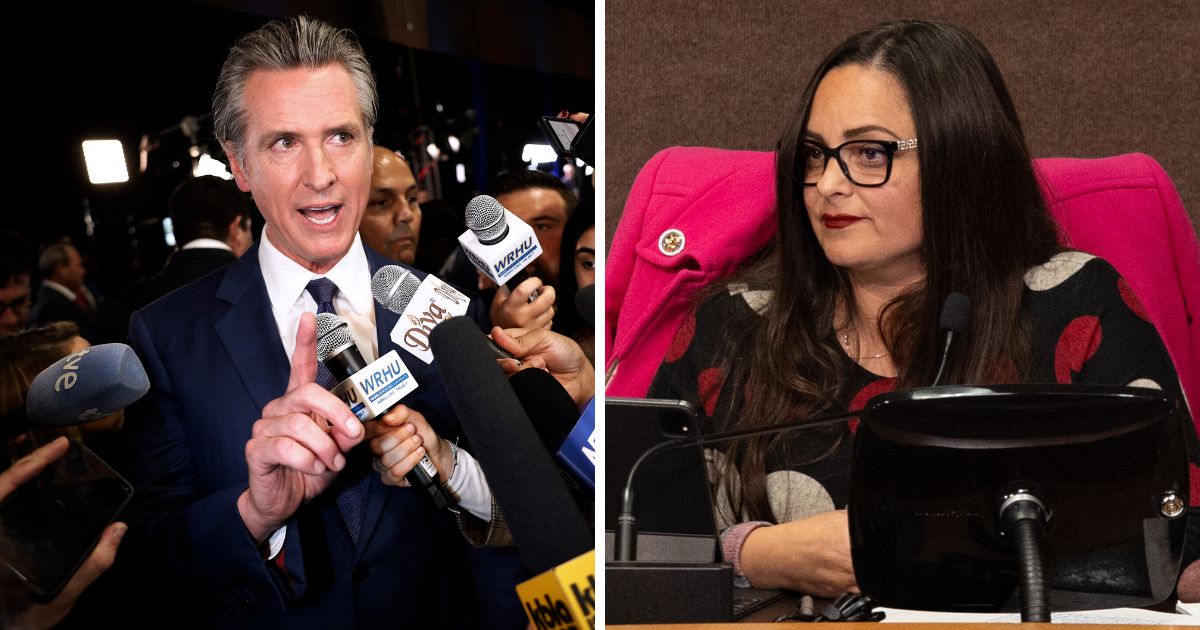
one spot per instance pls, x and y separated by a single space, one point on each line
931 466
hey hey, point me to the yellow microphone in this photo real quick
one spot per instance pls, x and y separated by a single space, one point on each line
564 597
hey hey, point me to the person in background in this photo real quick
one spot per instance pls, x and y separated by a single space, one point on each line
577 265
22 357
392 223
545 203
211 221
15 293
63 296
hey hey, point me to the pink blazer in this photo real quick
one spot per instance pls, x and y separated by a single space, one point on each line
1123 209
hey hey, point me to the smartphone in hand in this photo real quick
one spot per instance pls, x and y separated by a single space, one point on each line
50 525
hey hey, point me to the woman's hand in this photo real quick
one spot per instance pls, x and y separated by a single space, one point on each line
811 555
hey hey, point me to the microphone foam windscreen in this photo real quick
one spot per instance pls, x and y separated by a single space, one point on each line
485 217
547 527
333 334
956 312
393 287
87 385
547 404
585 303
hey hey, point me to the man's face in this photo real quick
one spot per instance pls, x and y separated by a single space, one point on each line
14 305
546 212
71 273
307 161
392 222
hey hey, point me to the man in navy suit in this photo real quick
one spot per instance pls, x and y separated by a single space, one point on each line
258 503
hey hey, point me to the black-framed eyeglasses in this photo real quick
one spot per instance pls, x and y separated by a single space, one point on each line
866 163
18 304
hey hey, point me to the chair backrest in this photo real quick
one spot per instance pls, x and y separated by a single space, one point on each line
1124 209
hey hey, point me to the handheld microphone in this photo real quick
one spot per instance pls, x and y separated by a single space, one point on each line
421 305
566 434
498 242
545 524
955 313
563 597
370 390
585 303
81 387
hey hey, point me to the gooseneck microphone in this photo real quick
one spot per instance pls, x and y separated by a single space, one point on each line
625 538
81 387
546 525
955 313
382 383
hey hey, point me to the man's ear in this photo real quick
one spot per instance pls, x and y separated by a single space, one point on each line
234 233
235 167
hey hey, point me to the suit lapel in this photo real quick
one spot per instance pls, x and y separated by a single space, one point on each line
248 331
377 493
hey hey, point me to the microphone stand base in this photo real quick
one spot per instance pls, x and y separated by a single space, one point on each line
667 592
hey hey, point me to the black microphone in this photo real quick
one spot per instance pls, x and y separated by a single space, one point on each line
625 538
81 387
585 303
554 416
372 390
955 313
545 524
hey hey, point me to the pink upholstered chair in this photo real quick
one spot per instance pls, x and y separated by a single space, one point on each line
719 205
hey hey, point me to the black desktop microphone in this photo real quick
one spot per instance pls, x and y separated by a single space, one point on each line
625 538
955 313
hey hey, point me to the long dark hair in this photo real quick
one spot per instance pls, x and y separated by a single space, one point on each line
984 223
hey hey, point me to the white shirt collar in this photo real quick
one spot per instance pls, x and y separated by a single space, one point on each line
206 243
286 279
64 290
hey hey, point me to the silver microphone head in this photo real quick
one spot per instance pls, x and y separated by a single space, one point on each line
333 335
485 217
393 287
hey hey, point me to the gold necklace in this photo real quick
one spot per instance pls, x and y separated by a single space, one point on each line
846 344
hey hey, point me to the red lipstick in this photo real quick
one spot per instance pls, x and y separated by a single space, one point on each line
838 221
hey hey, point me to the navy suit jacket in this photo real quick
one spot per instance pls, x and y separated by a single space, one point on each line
214 357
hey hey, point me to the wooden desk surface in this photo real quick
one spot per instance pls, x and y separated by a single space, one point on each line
879 627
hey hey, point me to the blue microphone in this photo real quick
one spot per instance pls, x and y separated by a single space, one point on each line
81 387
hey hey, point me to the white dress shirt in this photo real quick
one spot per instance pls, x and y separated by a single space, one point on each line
286 281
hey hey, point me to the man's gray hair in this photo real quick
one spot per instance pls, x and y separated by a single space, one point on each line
53 257
287 45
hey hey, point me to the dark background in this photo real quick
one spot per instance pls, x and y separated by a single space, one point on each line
1089 78
484 71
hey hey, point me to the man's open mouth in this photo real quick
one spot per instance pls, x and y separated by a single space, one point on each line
321 215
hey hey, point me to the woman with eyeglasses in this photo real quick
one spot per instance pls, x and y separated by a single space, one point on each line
903 177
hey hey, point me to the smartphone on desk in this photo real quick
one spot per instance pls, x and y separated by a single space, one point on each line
50 525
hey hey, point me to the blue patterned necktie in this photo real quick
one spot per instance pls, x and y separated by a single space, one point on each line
352 500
